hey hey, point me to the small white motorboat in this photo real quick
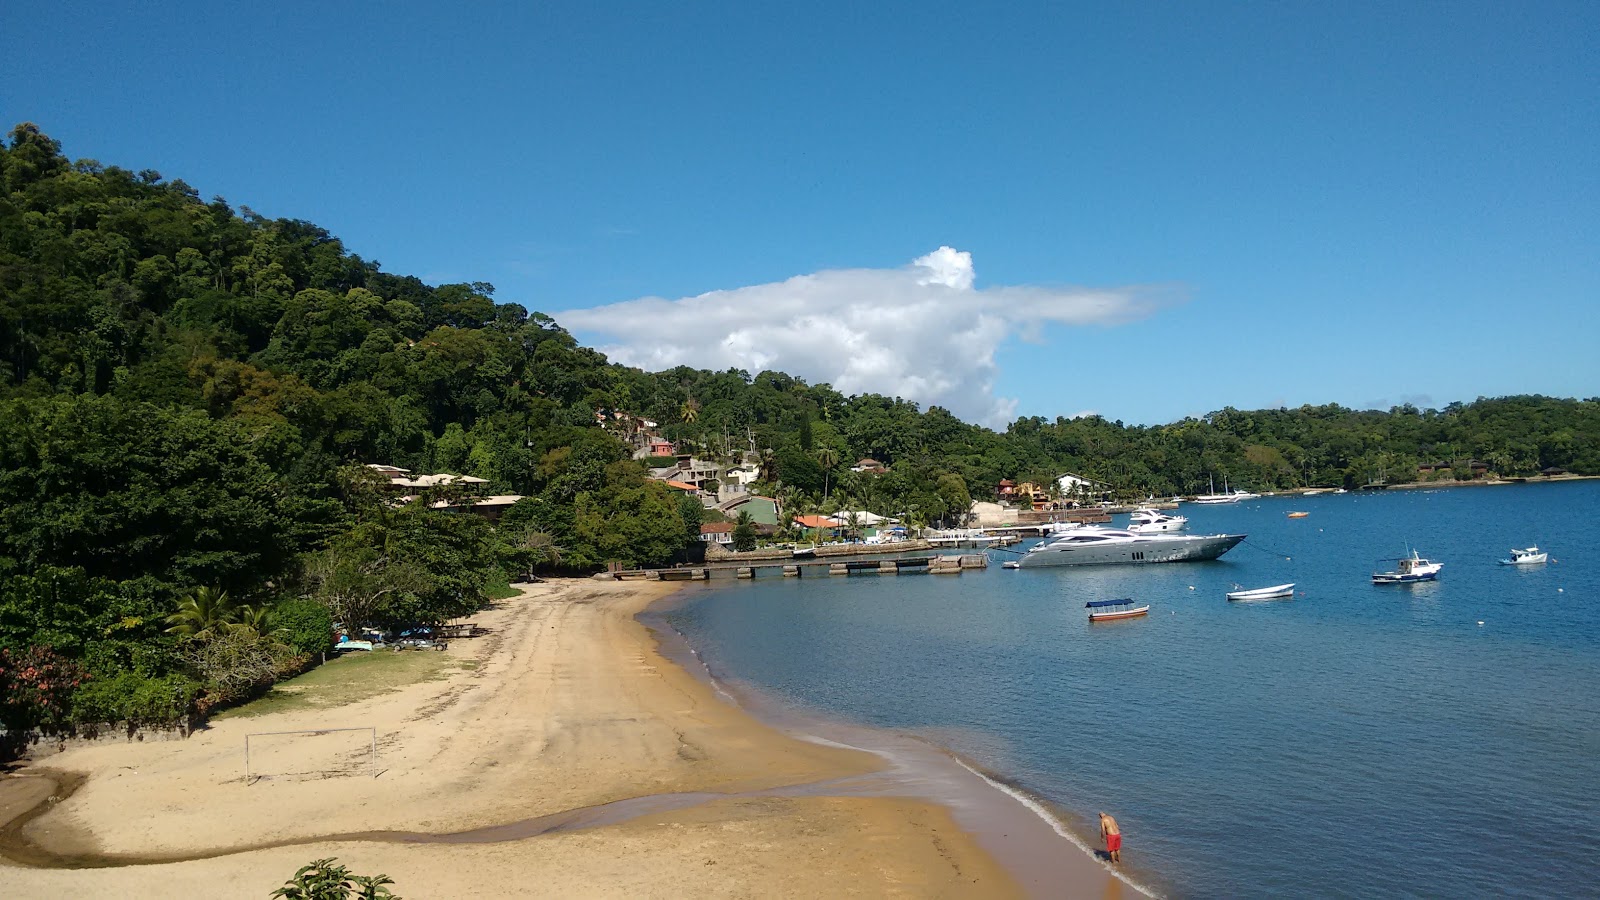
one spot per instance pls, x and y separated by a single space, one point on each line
1276 592
1532 556
1409 570
1111 610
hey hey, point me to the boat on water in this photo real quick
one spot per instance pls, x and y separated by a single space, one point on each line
1276 592
1151 521
1408 570
962 537
1111 610
1298 514
1227 496
1531 556
1092 545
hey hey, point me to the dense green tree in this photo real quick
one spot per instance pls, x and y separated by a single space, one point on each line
187 387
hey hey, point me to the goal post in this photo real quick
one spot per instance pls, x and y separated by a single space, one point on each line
253 768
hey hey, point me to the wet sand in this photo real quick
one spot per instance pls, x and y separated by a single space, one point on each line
497 781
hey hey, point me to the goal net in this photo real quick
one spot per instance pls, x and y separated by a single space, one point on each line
319 753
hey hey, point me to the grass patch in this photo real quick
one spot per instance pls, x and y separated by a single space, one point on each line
348 678
499 586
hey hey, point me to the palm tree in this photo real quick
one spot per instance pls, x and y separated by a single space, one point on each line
827 457
768 465
690 411
262 621
204 614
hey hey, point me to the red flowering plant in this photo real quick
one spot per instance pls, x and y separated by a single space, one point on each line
36 688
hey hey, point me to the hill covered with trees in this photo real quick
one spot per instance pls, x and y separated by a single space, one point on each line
189 391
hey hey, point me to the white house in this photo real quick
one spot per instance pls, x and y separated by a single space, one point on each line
1071 484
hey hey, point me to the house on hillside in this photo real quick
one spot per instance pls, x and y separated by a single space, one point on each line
1071 484
1007 489
821 526
489 507
869 466
705 478
762 510
656 445
717 532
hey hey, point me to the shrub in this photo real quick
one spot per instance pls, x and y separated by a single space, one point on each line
307 626
135 698
322 880
36 687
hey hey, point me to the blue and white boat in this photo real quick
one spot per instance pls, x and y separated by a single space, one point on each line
1408 570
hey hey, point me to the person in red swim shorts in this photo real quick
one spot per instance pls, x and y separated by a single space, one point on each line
1113 836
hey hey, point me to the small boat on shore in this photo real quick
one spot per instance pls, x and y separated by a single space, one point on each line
1111 610
1298 514
1276 592
1532 556
1409 570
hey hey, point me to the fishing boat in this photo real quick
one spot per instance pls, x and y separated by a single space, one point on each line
1297 514
1408 570
1110 610
1275 592
1532 556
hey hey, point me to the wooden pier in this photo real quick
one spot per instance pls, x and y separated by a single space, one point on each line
797 567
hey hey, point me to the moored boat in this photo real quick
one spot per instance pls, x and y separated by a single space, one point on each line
1531 556
1092 545
1111 610
1408 570
1275 592
1150 521
1297 514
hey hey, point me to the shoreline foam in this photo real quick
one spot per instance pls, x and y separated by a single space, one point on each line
997 815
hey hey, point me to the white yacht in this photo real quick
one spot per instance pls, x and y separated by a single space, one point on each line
1153 521
1092 545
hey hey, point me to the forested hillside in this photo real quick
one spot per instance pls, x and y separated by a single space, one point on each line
188 391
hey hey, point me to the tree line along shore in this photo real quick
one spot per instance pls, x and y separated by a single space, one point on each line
192 396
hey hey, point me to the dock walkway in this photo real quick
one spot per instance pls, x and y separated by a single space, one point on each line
798 567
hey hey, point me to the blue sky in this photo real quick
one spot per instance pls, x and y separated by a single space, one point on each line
1285 203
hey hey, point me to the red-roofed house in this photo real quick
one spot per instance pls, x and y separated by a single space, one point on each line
717 532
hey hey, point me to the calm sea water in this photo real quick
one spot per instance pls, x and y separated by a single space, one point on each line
1357 741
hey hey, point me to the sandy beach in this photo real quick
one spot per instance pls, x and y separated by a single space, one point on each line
562 706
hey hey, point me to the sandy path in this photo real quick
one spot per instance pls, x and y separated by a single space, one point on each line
569 706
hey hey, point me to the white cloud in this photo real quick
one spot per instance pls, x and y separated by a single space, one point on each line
923 332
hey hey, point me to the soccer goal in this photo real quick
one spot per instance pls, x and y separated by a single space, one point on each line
316 753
